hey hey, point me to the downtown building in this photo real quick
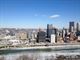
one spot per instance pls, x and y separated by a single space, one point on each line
72 26
78 31
78 26
51 33
41 36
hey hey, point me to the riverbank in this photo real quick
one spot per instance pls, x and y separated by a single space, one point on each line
38 46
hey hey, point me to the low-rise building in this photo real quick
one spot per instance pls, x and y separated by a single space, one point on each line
22 36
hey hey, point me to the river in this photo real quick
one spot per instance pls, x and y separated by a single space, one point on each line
37 54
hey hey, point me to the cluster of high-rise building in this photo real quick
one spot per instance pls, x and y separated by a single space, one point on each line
49 35
65 35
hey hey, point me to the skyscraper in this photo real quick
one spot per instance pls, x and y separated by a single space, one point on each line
78 27
51 31
71 27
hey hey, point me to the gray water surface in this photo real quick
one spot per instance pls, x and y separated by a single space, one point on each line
38 54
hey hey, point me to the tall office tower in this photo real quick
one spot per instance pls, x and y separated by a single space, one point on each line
64 32
50 31
41 35
55 32
71 27
78 30
78 27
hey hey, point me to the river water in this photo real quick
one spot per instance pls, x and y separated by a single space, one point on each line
38 54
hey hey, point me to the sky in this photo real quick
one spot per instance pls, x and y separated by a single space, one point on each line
38 13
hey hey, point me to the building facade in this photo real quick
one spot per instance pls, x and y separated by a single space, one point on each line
71 27
78 27
41 35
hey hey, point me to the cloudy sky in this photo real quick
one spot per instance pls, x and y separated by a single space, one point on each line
38 13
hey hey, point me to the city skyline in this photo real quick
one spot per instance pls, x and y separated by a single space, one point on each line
38 13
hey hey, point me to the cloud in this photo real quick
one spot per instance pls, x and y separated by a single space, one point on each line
54 16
